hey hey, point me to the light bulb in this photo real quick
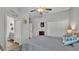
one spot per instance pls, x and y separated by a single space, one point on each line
40 10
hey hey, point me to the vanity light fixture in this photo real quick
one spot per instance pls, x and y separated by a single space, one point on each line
24 19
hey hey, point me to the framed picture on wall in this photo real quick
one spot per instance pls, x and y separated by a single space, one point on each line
42 24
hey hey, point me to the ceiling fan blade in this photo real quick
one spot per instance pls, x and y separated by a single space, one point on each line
48 9
32 10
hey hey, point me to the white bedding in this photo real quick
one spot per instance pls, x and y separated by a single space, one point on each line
46 44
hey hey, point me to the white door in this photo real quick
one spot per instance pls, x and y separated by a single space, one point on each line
10 29
18 28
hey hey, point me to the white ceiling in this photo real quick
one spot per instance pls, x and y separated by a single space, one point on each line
57 13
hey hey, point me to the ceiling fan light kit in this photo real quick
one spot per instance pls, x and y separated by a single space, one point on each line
41 10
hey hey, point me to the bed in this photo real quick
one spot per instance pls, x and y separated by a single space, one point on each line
46 43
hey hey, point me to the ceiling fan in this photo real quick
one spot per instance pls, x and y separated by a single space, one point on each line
41 10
